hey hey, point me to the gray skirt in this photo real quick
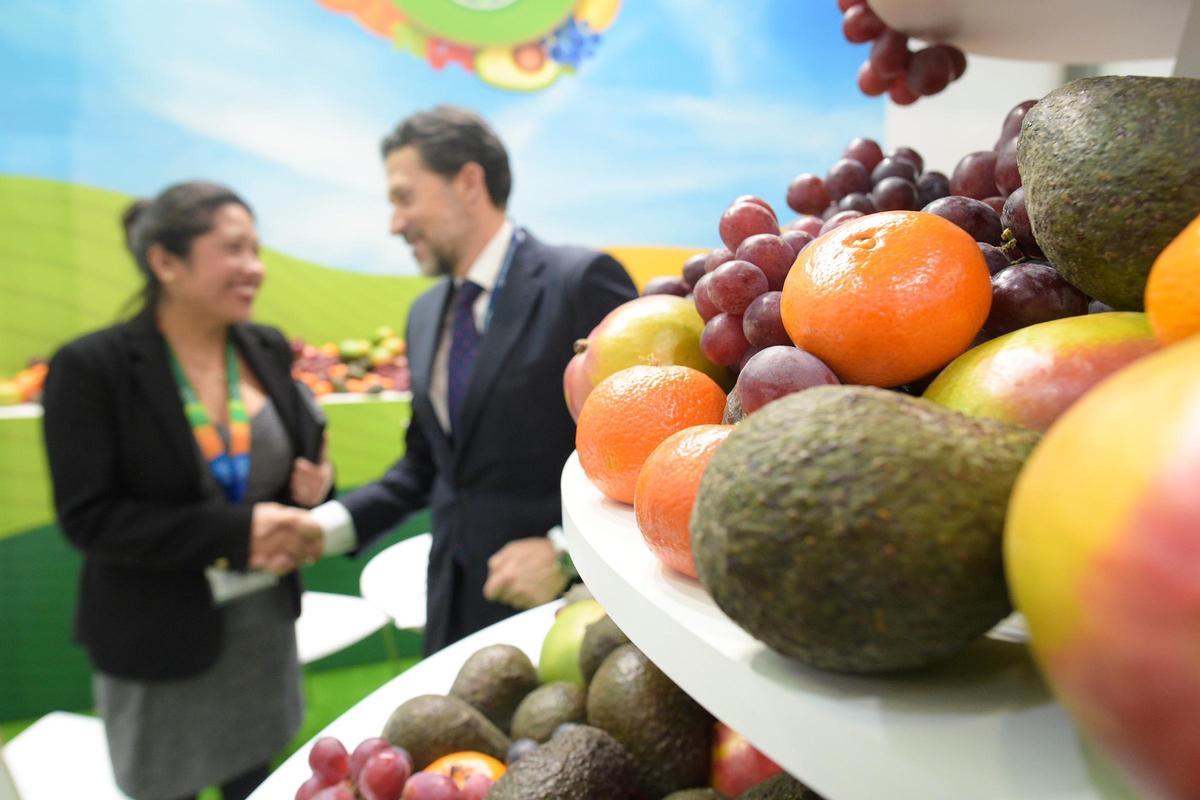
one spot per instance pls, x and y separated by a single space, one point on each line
169 739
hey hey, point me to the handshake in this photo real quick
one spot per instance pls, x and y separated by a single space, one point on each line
283 538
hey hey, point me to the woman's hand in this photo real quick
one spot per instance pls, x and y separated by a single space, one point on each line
311 482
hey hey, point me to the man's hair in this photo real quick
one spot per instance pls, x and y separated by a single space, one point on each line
447 137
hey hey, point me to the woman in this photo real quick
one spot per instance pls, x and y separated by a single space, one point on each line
174 442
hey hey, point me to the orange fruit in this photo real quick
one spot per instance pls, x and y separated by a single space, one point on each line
631 412
1173 288
462 765
666 490
887 298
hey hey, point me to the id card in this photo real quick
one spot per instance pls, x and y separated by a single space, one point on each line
229 585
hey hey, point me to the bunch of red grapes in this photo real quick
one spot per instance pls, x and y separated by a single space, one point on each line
891 67
737 287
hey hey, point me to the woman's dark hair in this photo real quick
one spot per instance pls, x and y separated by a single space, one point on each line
174 219
447 137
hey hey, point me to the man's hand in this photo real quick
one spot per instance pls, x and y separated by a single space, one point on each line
283 538
524 574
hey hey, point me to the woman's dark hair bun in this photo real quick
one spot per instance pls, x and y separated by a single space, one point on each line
131 216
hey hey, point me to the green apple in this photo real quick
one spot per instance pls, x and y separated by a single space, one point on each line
559 660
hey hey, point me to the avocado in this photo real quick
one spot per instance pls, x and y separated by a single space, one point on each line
858 529
575 594
600 639
547 707
1111 171
779 787
734 413
584 763
433 725
695 794
667 733
495 680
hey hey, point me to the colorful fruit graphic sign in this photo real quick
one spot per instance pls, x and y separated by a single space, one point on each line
520 45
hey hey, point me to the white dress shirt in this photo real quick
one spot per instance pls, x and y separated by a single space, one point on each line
334 519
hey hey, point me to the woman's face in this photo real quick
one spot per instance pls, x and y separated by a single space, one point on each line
220 277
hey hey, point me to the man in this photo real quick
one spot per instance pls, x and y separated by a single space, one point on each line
487 347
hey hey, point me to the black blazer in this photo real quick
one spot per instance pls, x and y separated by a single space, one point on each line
497 478
128 492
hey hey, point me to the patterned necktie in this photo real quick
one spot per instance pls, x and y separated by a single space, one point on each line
464 344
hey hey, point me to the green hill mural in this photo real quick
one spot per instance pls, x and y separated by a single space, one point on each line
64 270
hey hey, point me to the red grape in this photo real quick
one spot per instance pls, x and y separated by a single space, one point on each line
705 307
735 284
693 268
745 219
1008 174
846 176
1028 293
339 791
308 790
994 203
829 211
430 786
975 175
894 194
994 256
477 786
894 168
857 201
929 72
860 24
778 371
771 254
716 258
865 151
846 5
900 94
1015 217
329 759
758 201
840 218
384 775
973 216
366 748
666 284
1013 120
762 323
958 59
798 240
910 155
723 342
890 55
806 194
869 82
810 224
932 186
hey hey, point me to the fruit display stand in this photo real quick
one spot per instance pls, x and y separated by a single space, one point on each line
981 725
434 675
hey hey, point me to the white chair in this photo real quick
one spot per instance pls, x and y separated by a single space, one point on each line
394 581
60 756
330 622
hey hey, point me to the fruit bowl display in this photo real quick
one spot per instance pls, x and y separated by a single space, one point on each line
987 707
353 366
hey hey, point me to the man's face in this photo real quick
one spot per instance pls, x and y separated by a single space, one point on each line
427 211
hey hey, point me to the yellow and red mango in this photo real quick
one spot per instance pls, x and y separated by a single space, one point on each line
1102 552
1031 376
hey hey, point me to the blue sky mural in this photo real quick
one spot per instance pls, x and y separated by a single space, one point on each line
686 104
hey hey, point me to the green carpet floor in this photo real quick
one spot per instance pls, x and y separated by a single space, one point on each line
329 693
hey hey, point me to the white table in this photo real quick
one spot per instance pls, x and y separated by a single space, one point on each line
434 675
330 622
62 756
394 581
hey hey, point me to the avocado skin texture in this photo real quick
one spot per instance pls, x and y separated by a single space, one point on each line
547 707
858 529
584 763
695 794
601 638
779 787
1111 170
495 680
433 725
668 733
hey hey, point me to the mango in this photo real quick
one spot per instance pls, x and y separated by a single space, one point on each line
1031 376
1102 554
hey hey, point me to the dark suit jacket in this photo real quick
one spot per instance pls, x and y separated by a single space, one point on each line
497 478
128 491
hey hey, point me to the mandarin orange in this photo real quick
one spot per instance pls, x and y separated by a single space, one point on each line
1173 288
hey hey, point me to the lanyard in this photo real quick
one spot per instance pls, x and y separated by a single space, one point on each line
231 468
502 276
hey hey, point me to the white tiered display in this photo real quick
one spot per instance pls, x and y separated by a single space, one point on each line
981 726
